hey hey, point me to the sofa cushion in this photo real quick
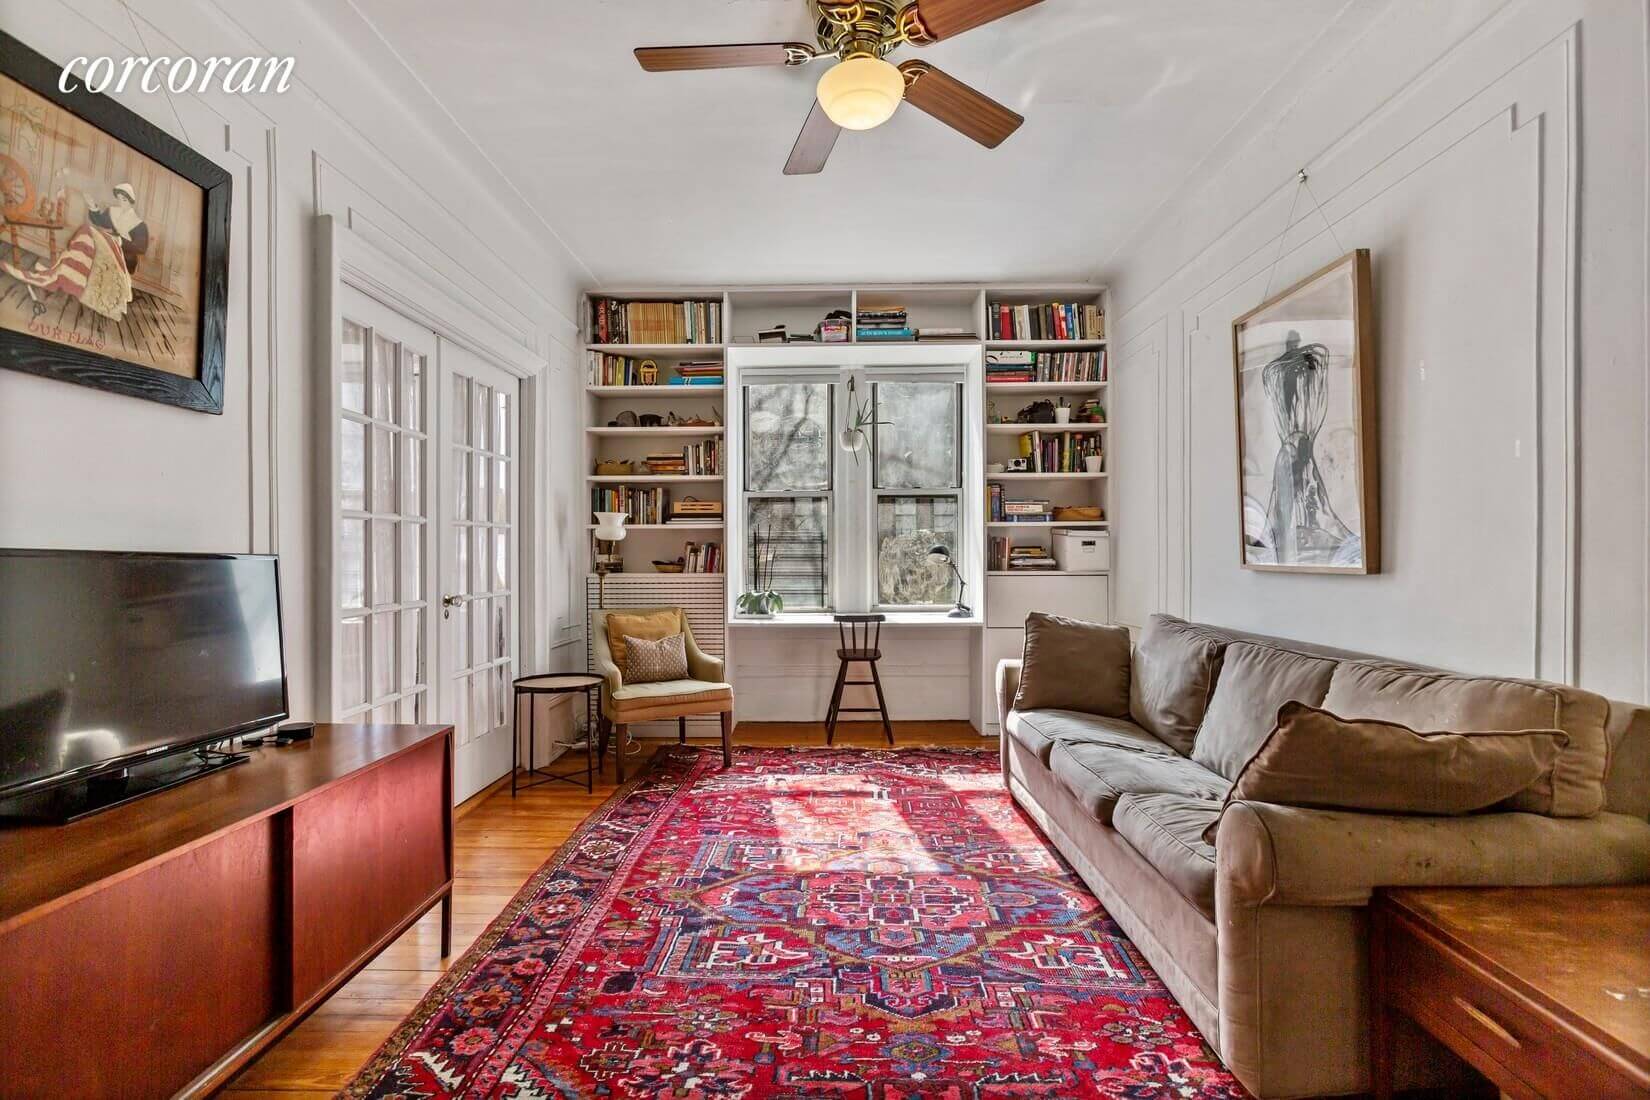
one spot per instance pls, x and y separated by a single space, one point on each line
1167 829
1039 730
1171 678
1316 759
1255 680
1098 775
1074 665
1424 699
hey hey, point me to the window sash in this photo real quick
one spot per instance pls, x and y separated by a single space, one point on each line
853 534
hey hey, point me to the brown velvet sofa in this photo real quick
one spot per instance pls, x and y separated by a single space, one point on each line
1262 935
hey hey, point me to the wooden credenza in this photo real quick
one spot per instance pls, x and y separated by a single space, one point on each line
158 947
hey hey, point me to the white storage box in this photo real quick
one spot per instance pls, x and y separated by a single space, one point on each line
1081 551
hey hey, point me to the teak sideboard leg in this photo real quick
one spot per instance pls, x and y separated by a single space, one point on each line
1380 1011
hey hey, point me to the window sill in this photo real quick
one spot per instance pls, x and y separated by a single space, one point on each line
894 618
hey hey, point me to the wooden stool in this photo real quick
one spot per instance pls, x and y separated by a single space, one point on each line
861 637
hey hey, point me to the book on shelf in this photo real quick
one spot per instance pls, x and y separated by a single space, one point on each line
701 557
693 510
947 333
1045 366
641 505
609 369
695 460
684 322
1059 452
883 323
1004 555
1048 321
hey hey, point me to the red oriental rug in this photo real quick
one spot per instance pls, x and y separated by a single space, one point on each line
841 923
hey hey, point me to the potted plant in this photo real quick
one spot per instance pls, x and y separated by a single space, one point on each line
856 436
761 602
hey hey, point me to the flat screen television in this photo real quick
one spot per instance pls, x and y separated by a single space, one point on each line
113 664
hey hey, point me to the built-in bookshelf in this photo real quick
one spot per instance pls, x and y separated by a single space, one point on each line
654 403
1062 356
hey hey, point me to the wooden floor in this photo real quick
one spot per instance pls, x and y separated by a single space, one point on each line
498 842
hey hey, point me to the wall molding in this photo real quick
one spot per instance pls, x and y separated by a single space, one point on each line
1534 100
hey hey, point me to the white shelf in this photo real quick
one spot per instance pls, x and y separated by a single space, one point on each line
1047 572
1043 387
1045 477
655 391
1044 345
1039 525
674 479
1022 429
651 351
665 431
685 525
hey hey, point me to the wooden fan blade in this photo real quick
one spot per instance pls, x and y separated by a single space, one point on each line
957 105
814 144
949 18
667 59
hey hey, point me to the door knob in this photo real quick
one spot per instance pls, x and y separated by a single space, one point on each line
450 602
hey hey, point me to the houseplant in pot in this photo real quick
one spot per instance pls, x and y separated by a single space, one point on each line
762 601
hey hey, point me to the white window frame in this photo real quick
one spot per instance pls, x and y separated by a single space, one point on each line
851 551
868 379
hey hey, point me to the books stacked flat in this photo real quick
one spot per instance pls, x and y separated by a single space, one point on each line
1053 321
702 373
689 322
1003 554
696 460
1031 558
702 558
947 332
1046 366
1011 366
692 510
1026 511
883 323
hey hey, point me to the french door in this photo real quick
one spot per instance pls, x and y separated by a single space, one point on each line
477 515
423 524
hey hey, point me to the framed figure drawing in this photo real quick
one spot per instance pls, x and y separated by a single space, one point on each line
1307 425
114 243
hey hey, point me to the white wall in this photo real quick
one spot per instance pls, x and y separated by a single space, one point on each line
82 468
1492 155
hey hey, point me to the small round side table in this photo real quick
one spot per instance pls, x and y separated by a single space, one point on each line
555 683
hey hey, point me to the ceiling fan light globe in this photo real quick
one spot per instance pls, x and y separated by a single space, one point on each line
861 93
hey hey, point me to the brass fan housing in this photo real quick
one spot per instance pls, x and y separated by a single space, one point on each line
869 28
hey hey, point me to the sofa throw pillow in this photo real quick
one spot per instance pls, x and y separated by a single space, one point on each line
648 661
1316 759
651 625
1073 665
1255 680
1175 667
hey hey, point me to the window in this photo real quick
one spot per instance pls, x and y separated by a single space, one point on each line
788 491
832 527
918 446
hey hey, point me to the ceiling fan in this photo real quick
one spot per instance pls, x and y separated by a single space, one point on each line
862 89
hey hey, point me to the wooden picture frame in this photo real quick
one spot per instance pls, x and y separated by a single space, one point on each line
159 338
1308 425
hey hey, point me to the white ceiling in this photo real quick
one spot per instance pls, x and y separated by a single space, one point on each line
674 178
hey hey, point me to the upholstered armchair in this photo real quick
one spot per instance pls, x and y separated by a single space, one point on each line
704 692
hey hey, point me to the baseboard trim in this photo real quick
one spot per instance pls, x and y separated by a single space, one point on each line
469 804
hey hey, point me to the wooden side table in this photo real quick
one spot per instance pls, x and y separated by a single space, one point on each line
555 683
1545 991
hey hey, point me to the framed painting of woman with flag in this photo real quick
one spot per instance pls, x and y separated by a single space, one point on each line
114 243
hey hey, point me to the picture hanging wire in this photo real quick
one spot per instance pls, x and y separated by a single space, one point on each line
1301 185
